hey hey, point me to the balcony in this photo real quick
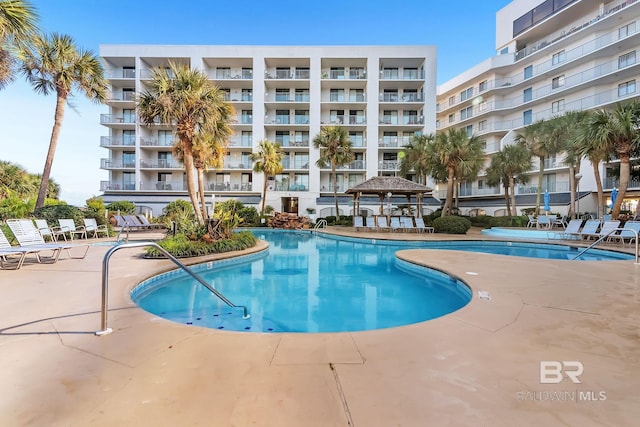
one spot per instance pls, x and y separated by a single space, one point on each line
116 164
107 141
388 165
613 181
163 186
121 73
406 97
127 96
116 186
356 164
295 164
285 186
242 164
346 120
240 142
478 191
551 187
150 142
230 186
112 118
161 164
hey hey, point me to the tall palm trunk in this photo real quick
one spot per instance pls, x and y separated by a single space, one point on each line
625 172
572 190
61 100
191 190
203 205
596 175
264 194
446 209
540 176
512 187
505 186
335 187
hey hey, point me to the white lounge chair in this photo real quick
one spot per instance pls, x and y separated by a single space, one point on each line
406 222
358 223
91 227
533 222
628 233
22 251
544 222
383 225
572 231
421 227
69 226
144 221
590 229
52 232
395 224
28 236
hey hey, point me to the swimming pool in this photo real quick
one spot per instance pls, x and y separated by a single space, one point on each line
325 283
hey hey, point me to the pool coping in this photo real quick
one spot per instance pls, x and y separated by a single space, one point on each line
478 365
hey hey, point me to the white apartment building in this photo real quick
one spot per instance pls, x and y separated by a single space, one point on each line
553 56
382 95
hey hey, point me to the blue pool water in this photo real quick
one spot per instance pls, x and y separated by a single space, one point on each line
317 283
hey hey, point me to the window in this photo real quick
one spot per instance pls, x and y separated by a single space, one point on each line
390 95
452 100
627 59
164 159
437 124
247 95
128 94
357 138
558 57
410 117
301 161
223 73
302 95
527 117
557 106
390 117
469 130
480 184
483 144
528 72
282 117
482 125
466 113
282 137
128 180
356 95
466 94
410 73
482 86
247 73
283 72
557 82
451 118
336 73
336 95
626 30
301 117
627 88
129 116
226 94
246 117
357 73
247 138
129 159
527 95
390 139
302 73
482 106
336 116
129 72
282 95
301 138
389 73
165 138
128 137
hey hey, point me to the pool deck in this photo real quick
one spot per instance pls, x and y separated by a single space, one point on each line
478 366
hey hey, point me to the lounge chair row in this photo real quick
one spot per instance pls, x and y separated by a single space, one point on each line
593 229
68 227
394 223
31 242
135 222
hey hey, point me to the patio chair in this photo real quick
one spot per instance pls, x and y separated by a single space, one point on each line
543 221
628 233
607 229
369 223
134 221
358 223
144 221
571 231
69 226
27 249
120 221
383 225
559 222
421 227
28 236
8 253
395 224
590 229
533 222
51 232
91 226
406 222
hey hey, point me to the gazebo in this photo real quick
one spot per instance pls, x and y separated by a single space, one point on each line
387 187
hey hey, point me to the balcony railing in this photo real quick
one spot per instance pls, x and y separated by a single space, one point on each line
122 73
388 165
355 74
112 118
295 164
122 96
614 181
116 186
107 141
477 191
281 186
346 120
406 97
552 187
234 164
116 164
287 74
356 164
150 142
161 164
240 142
230 186
293 143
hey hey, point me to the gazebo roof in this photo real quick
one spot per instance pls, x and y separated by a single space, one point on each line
388 184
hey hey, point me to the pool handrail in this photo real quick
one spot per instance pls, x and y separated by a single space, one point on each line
105 281
604 236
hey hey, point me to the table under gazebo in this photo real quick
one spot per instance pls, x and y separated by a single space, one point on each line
387 187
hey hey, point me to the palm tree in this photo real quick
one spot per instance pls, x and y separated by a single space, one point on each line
188 99
17 29
267 160
416 157
14 180
618 130
510 166
55 64
536 138
335 150
454 154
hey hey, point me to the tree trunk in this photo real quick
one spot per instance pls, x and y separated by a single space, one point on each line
505 186
191 190
53 143
446 209
625 171
264 193
512 187
596 175
540 175
572 190
203 203
335 187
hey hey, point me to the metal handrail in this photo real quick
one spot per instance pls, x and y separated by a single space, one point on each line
128 228
601 238
105 281
322 223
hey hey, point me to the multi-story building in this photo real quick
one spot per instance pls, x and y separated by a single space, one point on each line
553 56
382 95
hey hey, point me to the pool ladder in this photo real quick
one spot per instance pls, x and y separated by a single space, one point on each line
105 281
601 238
322 223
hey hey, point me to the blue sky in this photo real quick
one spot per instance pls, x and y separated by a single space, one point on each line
463 32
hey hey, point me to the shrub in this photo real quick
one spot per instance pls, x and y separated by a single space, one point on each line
481 220
250 217
508 221
96 209
451 224
331 220
180 246
124 206
53 213
181 213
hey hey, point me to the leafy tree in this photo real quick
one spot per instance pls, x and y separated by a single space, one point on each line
416 157
620 131
336 150
509 166
55 64
187 98
122 206
17 28
267 160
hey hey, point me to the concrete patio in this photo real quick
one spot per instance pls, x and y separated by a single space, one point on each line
477 366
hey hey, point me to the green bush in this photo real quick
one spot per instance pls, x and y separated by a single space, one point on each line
53 213
451 224
181 246
124 206
331 220
508 221
481 220
96 209
249 214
